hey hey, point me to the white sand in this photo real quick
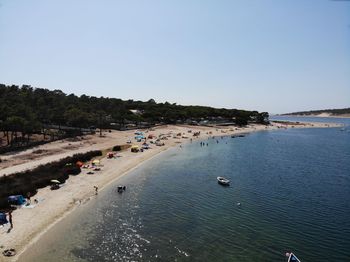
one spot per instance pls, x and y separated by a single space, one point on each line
30 223
323 115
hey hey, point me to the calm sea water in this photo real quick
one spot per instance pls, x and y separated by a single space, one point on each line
293 186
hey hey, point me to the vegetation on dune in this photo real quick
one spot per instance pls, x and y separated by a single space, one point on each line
25 111
30 181
32 116
334 112
120 147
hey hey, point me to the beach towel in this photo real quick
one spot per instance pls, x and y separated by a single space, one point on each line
28 206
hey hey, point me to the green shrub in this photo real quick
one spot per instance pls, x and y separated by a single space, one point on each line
117 148
32 180
120 147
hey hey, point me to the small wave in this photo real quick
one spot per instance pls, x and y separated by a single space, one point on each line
144 239
132 230
182 252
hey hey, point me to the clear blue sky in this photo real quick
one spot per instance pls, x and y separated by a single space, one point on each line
268 55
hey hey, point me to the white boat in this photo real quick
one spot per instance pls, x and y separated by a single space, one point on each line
223 181
293 258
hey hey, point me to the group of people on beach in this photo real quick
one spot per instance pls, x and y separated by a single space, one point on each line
203 144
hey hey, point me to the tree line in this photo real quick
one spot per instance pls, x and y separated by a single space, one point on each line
335 112
25 111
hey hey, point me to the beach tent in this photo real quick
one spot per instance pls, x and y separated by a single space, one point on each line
139 137
135 148
3 219
96 162
138 133
55 181
159 143
16 200
145 146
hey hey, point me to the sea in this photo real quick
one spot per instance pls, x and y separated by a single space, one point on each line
289 192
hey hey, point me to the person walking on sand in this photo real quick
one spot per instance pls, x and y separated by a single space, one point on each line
10 219
96 190
28 198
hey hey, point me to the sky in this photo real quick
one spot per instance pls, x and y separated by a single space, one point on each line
266 55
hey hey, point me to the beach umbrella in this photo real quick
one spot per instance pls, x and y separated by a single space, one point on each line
55 181
79 164
96 161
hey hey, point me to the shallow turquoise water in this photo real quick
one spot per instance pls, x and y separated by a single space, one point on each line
293 186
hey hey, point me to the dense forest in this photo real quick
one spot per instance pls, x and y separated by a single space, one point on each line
25 111
334 112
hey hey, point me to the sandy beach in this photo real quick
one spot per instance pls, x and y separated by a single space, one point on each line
30 223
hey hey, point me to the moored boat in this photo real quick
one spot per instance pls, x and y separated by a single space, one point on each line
223 181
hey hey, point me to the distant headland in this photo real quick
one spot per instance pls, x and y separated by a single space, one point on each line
344 112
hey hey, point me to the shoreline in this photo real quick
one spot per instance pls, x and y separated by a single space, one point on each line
57 205
74 208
